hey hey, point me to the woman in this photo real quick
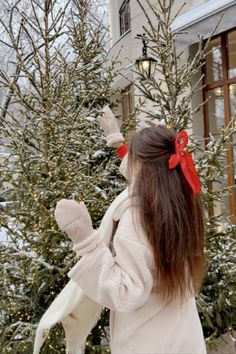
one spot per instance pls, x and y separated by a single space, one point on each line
149 277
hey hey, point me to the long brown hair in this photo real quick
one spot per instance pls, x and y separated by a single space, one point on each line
170 214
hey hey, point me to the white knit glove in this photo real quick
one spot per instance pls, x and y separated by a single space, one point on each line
73 218
110 127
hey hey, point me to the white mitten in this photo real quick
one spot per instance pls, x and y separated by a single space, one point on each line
110 127
73 218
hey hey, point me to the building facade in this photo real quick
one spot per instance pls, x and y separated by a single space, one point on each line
196 17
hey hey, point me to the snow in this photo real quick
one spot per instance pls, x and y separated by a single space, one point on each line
41 286
101 192
90 119
3 237
98 153
5 204
36 258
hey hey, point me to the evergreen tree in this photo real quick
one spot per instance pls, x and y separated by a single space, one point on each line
170 93
57 84
55 150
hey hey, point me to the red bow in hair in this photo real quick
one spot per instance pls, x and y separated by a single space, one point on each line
186 162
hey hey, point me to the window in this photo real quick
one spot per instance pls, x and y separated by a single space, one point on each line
124 17
127 102
220 80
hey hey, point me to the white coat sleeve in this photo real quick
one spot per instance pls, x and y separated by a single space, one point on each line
122 282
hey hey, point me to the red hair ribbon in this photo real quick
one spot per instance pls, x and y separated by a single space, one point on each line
122 151
186 162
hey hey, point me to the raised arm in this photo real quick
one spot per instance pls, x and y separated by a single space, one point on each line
114 137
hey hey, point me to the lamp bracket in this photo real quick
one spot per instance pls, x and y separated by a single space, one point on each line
145 43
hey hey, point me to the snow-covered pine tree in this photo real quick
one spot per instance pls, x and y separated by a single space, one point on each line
170 92
53 149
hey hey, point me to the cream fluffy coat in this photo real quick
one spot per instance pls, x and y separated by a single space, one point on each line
124 281
77 312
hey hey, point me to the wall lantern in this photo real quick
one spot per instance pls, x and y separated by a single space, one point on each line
145 64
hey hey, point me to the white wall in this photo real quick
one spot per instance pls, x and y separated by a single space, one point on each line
131 48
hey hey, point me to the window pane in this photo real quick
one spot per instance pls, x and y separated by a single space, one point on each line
124 17
216 122
222 208
216 110
232 93
127 102
214 61
127 19
231 46
122 25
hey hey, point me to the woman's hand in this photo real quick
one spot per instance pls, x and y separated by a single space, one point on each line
109 125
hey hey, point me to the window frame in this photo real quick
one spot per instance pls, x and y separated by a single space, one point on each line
224 83
123 12
128 92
